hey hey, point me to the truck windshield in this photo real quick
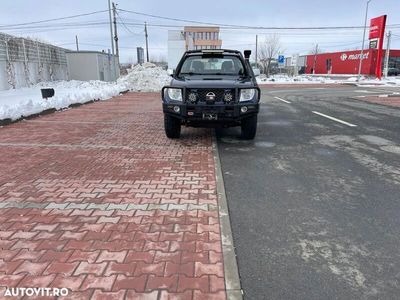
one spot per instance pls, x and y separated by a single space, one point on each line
220 65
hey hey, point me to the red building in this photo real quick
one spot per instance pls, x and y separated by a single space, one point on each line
347 62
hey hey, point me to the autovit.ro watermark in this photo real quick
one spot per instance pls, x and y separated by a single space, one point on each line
35 292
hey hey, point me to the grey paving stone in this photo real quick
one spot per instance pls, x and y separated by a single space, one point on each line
198 207
77 205
35 205
102 206
103 219
114 206
137 206
54 205
15 204
172 206
158 206
212 207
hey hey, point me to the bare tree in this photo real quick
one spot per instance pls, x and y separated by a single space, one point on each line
314 51
268 50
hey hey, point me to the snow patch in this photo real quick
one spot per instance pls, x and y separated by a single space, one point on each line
326 78
23 102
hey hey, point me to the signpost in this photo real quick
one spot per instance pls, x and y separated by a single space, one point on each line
294 63
377 32
281 62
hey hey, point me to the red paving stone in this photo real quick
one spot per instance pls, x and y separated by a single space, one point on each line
101 202
388 101
300 85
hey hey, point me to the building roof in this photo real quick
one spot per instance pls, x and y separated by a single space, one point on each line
87 51
201 29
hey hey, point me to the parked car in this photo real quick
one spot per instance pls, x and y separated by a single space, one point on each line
212 88
393 71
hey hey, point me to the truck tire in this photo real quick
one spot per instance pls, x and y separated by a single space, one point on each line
249 127
172 127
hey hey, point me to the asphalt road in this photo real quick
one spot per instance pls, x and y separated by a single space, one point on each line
315 203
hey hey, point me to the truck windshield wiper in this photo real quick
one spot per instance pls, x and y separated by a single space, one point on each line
191 73
232 74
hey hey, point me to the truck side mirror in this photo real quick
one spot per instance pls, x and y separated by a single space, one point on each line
171 72
247 54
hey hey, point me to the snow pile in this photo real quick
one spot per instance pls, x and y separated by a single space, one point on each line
17 103
144 78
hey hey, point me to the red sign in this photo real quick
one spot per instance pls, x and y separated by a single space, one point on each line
377 31
377 27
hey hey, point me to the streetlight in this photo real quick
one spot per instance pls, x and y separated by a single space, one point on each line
362 46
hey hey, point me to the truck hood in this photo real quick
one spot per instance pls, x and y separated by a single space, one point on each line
198 82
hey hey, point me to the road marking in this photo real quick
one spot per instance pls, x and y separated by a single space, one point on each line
335 119
363 91
283 100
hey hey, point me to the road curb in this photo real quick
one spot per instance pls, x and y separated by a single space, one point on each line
231 272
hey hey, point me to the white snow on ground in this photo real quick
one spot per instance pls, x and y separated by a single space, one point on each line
27 101
323 79
144 78
147 77
23 102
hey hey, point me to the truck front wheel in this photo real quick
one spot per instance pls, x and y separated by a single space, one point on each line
172 127
249 127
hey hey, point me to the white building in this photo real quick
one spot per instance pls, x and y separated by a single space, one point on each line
176 47
191 38
92 65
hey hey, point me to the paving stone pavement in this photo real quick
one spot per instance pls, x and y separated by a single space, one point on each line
96 199
388 101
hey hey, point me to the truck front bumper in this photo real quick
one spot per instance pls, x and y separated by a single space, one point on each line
204 113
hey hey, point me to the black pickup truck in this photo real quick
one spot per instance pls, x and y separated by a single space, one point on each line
212 88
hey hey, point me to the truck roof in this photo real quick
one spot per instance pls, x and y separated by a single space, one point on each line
211 51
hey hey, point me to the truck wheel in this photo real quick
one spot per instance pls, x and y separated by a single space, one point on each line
249 127
172 127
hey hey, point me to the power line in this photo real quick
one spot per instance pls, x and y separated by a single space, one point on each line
246 26
55 19
124 25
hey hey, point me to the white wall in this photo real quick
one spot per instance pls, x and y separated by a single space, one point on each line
3 76
82 66
24 62
176 48
175 52
87 66
23 77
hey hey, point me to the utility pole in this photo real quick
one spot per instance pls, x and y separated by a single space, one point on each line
114 8
112 42
77 44
362 46
315 58
147 43
256 49
387 54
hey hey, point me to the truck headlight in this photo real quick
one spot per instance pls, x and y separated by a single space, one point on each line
247 94
174 94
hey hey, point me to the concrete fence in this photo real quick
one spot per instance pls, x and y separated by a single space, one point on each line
24 62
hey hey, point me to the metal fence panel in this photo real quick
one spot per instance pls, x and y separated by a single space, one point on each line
18 49
26 62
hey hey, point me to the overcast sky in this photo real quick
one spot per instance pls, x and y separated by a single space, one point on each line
281 13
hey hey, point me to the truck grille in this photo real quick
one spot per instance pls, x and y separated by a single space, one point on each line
200 95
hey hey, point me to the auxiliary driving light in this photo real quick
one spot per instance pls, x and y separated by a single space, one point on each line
177 109
192 97
228 97
243 109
